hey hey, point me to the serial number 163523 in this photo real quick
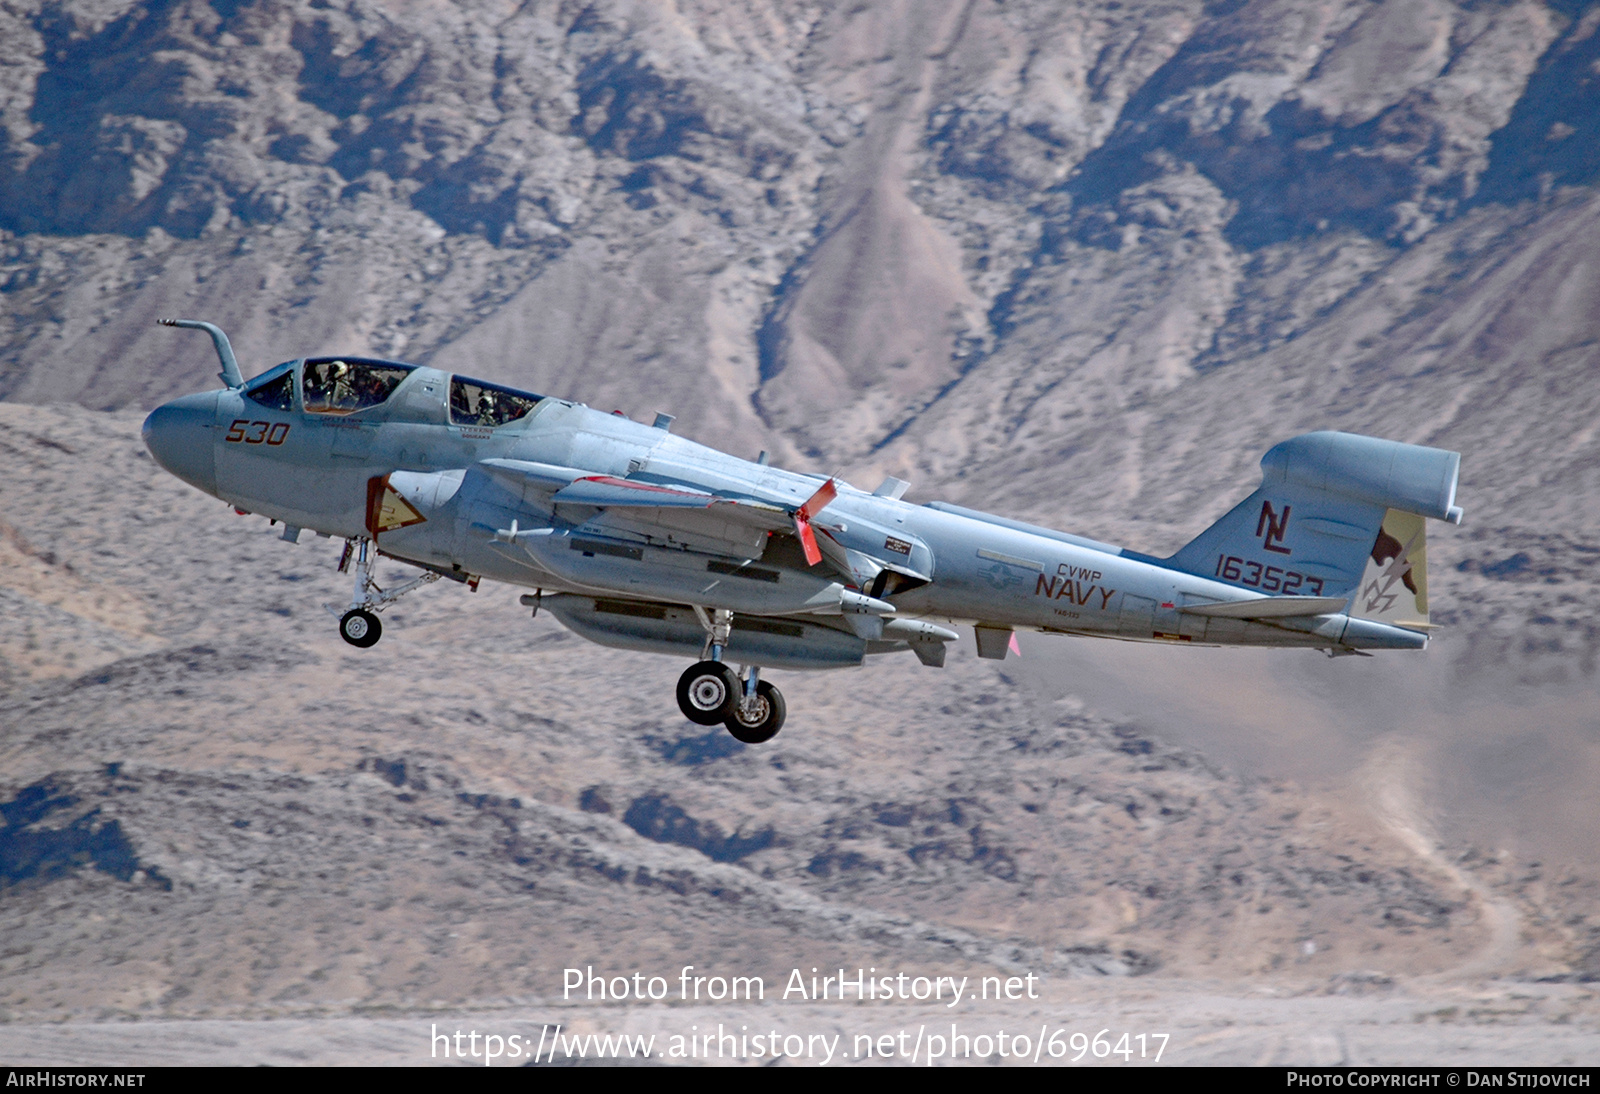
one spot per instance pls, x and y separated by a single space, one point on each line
1269 579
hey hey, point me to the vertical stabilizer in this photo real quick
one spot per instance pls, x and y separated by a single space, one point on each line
1336 515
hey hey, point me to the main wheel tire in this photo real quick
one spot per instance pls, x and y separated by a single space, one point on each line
762 724
360 628
707 692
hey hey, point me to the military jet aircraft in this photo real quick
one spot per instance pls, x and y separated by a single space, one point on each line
639 539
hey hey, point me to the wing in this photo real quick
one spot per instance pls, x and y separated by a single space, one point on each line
570 486
605 491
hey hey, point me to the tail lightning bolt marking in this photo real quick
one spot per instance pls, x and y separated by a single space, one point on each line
1396 570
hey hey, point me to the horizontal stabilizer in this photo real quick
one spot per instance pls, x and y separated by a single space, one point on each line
1387 474
1269 607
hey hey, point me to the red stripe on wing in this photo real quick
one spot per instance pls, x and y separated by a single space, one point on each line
628 484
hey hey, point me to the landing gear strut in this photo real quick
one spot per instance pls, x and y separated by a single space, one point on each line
358 623
710 692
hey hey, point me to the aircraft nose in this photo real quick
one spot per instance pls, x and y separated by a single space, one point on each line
181 434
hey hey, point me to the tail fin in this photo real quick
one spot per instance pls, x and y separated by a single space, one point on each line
1336 515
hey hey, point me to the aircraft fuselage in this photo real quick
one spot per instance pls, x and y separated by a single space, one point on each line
481 512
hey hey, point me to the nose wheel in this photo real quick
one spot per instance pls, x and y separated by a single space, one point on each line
360 628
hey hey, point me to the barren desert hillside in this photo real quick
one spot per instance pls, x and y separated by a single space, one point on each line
1075 263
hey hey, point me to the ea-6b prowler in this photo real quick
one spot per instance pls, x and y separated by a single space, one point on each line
639 539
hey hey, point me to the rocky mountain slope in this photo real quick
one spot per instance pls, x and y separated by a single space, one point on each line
1078 263
215 807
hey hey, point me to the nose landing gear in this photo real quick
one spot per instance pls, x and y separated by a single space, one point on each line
358 622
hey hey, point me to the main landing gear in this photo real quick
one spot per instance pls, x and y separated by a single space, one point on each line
710 691
358 624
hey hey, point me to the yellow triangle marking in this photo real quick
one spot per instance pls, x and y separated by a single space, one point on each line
396 512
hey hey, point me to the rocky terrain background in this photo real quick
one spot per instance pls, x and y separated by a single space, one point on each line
215 809
1075 263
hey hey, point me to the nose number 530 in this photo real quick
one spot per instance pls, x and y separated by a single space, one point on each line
249 432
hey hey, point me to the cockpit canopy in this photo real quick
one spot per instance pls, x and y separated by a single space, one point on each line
274 389
344 385
473 402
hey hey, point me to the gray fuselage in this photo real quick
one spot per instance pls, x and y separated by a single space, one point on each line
482 501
